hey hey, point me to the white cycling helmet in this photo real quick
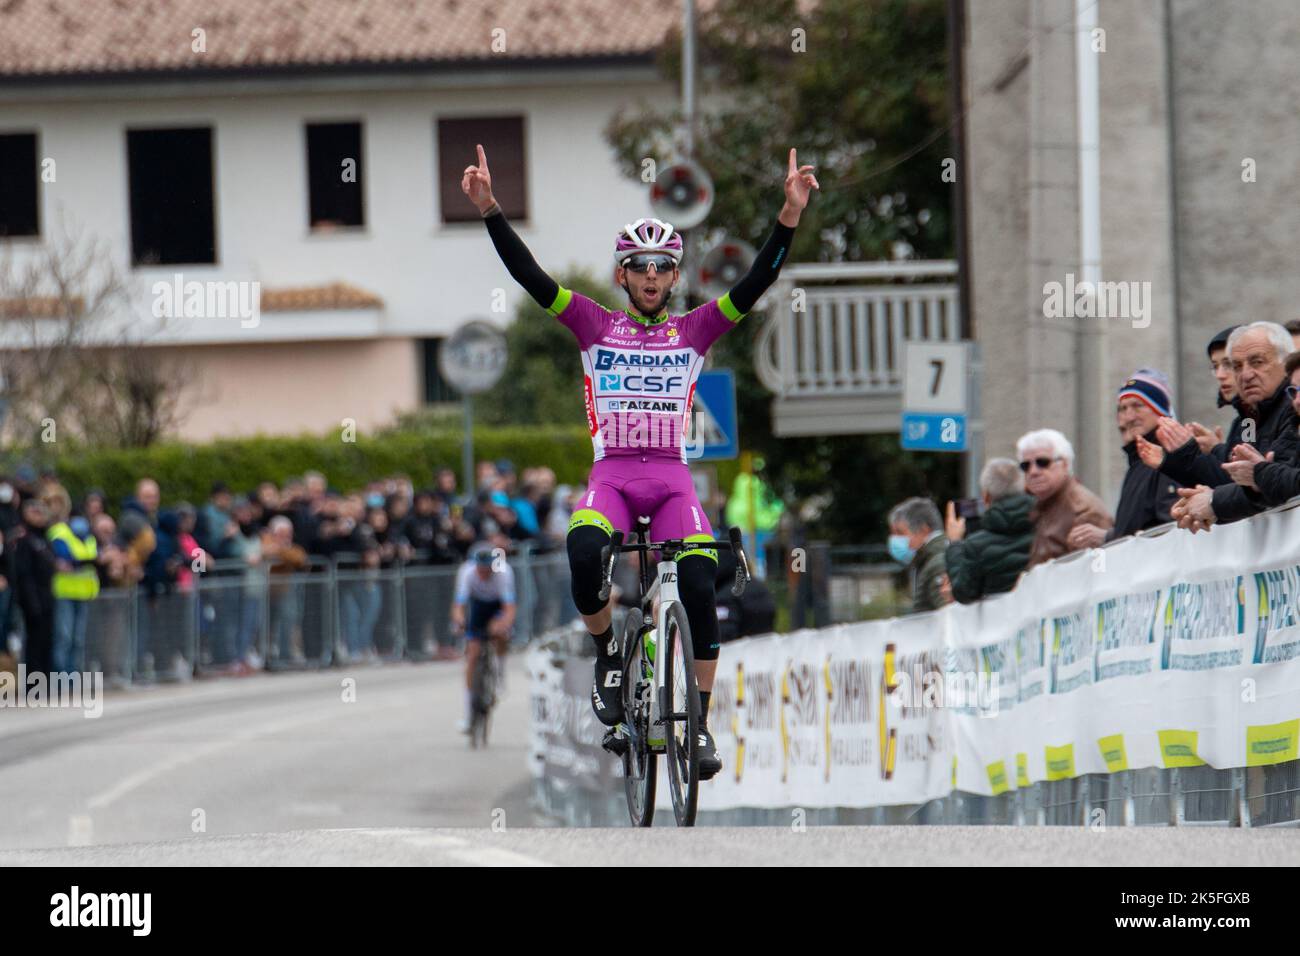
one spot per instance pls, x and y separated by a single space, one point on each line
648 235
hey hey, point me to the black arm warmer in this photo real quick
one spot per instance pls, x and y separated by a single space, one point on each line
766 267
523 268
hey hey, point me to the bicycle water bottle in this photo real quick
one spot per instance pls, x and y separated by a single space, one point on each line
649 642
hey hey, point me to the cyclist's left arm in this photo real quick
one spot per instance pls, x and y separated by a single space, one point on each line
508 604
708 323
799 184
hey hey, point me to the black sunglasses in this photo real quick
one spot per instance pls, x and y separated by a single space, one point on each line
1043 463
1291 392
642 263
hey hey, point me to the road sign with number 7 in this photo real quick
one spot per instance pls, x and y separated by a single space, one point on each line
935 396
934 377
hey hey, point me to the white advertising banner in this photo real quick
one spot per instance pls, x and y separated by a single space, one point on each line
1166 651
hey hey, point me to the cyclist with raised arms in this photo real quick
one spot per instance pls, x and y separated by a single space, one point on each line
640 366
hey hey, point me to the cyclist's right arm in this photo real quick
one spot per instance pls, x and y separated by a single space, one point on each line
476 183
462 584
519 262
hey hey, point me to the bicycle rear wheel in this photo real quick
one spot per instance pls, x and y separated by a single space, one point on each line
680 710
640 763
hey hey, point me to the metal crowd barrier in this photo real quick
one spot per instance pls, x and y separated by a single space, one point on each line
334 612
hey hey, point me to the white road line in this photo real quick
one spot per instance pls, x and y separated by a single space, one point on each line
141 777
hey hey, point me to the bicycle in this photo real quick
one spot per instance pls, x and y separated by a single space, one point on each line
661 716
483 695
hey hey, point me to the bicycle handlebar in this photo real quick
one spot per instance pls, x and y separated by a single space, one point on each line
742 563
610 552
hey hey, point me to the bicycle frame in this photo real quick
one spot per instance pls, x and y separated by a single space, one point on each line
664 589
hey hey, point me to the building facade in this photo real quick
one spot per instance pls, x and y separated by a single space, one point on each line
230 167
1166 168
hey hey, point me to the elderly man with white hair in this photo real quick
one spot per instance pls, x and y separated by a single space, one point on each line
1047 459
1258 352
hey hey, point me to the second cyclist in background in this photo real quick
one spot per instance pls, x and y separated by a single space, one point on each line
484 609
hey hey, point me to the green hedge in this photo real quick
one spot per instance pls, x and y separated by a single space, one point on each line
185 472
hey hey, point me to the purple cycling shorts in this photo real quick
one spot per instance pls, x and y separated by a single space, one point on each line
626 488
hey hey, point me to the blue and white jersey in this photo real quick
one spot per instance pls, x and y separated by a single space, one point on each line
499 585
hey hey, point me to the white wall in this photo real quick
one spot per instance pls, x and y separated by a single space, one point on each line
431 277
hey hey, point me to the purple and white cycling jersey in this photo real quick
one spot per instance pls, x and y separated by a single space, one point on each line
639 376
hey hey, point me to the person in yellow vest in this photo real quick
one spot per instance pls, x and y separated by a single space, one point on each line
75 585
752 492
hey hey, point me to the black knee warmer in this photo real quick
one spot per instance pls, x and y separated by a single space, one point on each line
695 576
584 544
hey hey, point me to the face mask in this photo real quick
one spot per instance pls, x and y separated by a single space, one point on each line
80 527
900 550
375 500
6 493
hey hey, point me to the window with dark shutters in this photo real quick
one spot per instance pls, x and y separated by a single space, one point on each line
503 139
170 180
334 175
19 207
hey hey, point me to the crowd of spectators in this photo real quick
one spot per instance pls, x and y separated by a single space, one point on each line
58 556
1035 509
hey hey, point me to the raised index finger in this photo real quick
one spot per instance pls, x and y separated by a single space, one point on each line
482 156
794 163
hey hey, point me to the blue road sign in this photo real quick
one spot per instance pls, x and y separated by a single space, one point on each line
934 431
714 433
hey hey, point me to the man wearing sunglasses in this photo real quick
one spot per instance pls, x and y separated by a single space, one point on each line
640 367
1047 459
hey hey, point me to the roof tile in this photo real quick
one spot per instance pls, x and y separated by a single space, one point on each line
52 37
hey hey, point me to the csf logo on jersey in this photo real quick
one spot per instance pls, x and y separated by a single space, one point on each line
607 359
640 383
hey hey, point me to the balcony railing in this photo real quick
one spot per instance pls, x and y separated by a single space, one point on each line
831 350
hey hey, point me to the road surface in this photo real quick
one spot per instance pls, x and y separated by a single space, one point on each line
263 754
285 769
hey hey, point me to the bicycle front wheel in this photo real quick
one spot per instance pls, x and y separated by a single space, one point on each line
680 710
639 761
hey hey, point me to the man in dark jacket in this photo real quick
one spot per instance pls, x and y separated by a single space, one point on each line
428 529
916 540
1192 454
1258 351
991 559
1147 496
33 581
1276 481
